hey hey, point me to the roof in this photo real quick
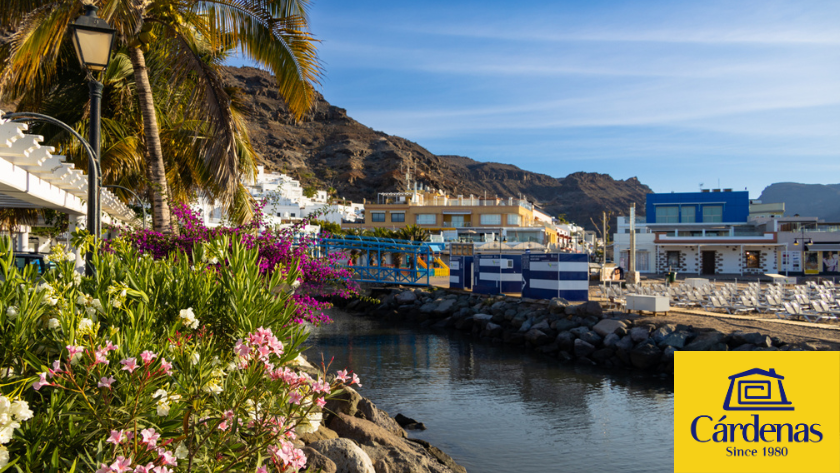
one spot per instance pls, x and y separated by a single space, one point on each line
771 373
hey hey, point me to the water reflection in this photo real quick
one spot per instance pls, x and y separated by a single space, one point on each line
501 409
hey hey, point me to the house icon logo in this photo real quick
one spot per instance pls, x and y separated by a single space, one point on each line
756 390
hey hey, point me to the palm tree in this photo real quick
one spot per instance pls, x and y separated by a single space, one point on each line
272 33
413 233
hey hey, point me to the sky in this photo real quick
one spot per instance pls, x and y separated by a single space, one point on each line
734 94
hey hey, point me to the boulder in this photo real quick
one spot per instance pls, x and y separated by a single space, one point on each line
608 326
492 330
640 333
542 325
345 403
536 337
611 340
578 331
591 337
659 334
510 314
428 307
323 433
563 325
676 340
557 305
526 325
603 354
583 349
315 461
705 341
566 341
745 347
345 455
513 338
626 343
445 307
668 353
592 308
759 340
406 297
646 356
441 456
369 411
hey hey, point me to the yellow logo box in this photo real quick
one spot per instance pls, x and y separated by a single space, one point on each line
757 412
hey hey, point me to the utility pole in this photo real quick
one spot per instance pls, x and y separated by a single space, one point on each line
604 234
632 276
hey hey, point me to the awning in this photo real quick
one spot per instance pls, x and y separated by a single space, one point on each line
457 212
823 247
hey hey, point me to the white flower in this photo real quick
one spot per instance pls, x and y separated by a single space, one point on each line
76 357
310 423
96 304
81 300
214 260
4 456
8 431
11 312
212 387
90 311
20 409
44 287
123 293
7 372
85 326
77 278
189 318
116 303
195 358
71 257
162 408
181 452
53 324
52 301
231 366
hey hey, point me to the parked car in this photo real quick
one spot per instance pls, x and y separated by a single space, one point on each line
39 260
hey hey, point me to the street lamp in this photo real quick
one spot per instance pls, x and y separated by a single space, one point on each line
92 39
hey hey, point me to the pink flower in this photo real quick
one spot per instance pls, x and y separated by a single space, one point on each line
149 468
104 469
99 356
167 366
356 380
110 346
121 465
321 402
341 376
129 364
321 386
73 349
167 458
37 385
241 348
147 357
106 382
223 425
295 397
162 469
264 351
149 437
262 469
116 437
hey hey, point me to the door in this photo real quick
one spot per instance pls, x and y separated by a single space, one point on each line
708 262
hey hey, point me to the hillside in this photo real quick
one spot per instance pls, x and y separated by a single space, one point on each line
807 200
330 149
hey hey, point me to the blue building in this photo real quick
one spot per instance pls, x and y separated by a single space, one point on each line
698 207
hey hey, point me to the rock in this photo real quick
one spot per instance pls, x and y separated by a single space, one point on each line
759 340
583 348
563 325
416 426
557 305
645 357
745 347
591 337
345 403
659 334
492 330
404 420
705 341
380 418
536 337
443 323
603 354
406 297
592 308
676 340
626 343
441 456
566 341
513 338
668 353
346 456
640 333
445 307
542 326
578 331
323 433
611 339
608 326
498 307
510 314
464 323
571 309
526 326
428 307
315 461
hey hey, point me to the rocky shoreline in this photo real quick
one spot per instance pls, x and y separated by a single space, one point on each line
575 333
357 437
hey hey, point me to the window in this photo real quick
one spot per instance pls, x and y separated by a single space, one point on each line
712 213
426 219
398 217
669 214
491 219
377 217
673 259
456 221
688 214
293 214
752 259
514 219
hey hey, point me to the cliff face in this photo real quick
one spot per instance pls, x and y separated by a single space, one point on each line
807 200
330 149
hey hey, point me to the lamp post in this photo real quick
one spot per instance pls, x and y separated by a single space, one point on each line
92 39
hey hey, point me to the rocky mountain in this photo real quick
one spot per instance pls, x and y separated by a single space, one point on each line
330 149
807 200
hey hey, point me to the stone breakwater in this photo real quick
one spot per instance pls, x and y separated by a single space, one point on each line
357 437
583 333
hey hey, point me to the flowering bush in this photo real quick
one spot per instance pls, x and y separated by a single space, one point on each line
278 250
180 363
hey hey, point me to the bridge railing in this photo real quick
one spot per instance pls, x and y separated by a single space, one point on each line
367 256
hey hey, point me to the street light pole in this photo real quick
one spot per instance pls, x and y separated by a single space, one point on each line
94 218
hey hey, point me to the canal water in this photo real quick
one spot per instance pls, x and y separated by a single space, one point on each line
495 408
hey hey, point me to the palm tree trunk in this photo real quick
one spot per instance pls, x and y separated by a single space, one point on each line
155 168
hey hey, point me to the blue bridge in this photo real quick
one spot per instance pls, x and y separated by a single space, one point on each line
383 260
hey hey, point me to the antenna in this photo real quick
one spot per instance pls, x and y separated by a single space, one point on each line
701 186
